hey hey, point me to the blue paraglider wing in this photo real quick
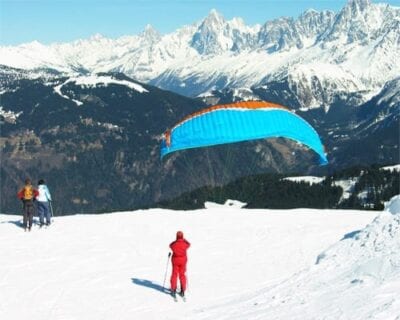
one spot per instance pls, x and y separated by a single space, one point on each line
240 121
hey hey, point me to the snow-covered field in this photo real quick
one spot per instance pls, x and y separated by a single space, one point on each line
243 264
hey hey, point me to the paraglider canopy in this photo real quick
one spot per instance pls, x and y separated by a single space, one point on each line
240 121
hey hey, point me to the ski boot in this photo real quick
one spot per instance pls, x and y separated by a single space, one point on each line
173 294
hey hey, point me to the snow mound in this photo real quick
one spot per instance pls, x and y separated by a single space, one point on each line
371 254
228 204
356 278
393 206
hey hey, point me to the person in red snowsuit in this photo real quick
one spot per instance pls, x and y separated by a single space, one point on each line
179 260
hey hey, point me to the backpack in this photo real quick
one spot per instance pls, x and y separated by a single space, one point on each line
28 193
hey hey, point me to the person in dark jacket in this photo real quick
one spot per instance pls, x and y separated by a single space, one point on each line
179 260
28 194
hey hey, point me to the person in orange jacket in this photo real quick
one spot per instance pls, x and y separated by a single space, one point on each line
179 260
28 194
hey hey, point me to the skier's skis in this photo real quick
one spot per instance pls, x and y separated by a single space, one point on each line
176 298
173 295
183 296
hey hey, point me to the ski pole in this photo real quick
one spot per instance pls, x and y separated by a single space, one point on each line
166 270
187 282
51 210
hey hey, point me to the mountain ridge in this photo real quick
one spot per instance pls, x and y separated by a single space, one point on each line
215 54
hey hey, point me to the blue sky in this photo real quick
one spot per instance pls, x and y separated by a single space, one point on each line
49 21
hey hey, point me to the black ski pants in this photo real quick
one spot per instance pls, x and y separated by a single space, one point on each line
28 213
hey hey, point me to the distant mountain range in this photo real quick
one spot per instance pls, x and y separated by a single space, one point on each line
318 55
88 116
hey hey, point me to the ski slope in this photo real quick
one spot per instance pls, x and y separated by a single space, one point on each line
243 264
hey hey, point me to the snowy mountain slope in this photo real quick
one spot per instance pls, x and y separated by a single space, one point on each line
395 168
382 111
347 185
390 93
97 81
354 50
113 265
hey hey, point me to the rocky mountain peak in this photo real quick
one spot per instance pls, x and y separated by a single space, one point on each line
313 23
212 35
213 20
355 22
279 34
97 37
150 34
358 5
355 8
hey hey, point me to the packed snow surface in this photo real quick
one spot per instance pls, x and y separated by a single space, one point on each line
243 264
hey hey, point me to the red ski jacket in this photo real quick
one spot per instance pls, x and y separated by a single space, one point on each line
27 193
179 248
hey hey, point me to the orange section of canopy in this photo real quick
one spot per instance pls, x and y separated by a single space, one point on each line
238 105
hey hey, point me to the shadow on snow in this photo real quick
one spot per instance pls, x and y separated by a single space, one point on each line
151 285
351 235
19 223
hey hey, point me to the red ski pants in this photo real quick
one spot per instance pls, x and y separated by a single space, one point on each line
178 270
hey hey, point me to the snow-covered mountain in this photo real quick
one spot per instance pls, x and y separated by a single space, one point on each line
319 54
